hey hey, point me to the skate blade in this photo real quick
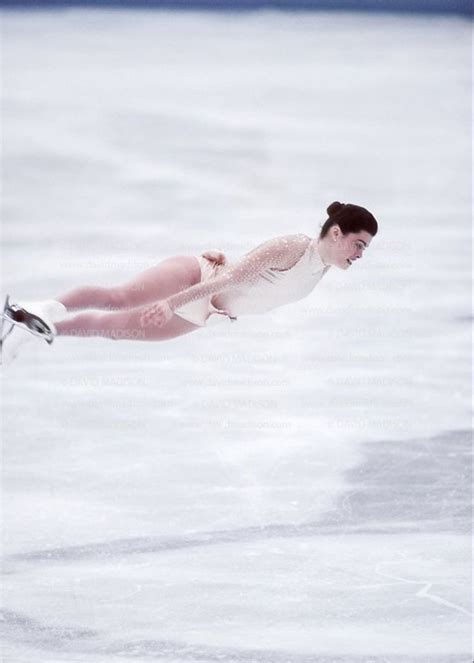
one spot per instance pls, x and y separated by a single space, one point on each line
30 322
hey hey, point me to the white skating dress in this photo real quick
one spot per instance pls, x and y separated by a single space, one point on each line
260 281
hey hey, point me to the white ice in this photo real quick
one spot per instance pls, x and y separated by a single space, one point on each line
289 488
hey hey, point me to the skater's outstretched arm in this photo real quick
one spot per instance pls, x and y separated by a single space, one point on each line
278 253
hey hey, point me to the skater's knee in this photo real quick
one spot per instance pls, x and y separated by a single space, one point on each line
127 296
123 326
118 298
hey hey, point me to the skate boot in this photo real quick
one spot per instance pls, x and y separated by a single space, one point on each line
35 317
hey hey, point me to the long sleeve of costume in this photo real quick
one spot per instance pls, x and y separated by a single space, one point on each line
279 253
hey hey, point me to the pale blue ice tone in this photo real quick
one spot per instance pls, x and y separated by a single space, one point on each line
289 488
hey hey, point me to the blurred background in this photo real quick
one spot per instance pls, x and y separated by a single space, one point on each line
292 487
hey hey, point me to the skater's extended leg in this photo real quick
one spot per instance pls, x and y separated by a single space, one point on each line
158 282
122 325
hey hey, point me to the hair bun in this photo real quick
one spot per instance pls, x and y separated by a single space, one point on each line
334 208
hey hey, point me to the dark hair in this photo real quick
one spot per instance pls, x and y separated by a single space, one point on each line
349 218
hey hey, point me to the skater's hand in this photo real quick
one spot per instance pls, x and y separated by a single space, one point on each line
215 256
157 314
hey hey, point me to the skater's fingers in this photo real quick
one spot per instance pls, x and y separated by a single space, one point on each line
215 256
156 315
146 318
156 320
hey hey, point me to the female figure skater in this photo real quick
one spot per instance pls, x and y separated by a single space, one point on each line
178 295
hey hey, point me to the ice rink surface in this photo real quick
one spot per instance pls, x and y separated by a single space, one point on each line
289 488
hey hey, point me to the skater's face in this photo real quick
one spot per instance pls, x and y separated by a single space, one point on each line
345 249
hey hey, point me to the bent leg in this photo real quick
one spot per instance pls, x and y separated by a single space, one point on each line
123 325
170 276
